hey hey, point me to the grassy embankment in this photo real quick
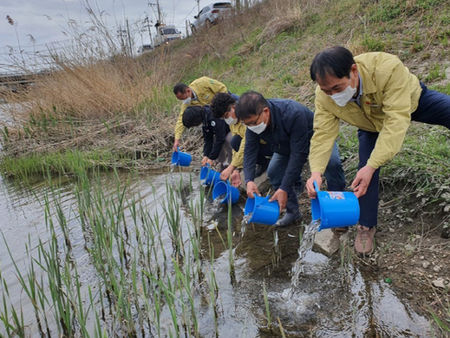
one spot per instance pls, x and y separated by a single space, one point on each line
122 113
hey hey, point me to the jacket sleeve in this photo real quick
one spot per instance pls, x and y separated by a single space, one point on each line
397 109
179 127
299 137
221 130
208 140
238 156
250 154
326 130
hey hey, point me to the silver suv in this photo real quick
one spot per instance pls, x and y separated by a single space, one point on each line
209 15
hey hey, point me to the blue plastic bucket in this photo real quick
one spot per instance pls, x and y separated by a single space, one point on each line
209 176
335 209
229 192
181 159
262 210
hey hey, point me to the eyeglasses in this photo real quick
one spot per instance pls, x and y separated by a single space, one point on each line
255 121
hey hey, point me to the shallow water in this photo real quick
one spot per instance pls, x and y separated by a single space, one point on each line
324 301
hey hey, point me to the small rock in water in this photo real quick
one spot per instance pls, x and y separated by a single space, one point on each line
440 283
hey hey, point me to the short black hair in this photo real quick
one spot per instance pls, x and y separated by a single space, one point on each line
193 116
336 61
251 103
221 103
180 88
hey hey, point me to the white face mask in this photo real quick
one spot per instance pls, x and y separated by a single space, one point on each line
230 121
343 97
187 101
259 128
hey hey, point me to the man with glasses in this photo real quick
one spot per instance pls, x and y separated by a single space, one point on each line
223 107
376 93
287 127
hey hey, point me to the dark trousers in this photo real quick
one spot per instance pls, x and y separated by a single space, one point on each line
434 108
333 173
264 149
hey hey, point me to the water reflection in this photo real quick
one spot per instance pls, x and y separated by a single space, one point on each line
323 305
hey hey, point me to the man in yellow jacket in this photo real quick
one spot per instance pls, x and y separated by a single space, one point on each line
200 92
223 107
376 93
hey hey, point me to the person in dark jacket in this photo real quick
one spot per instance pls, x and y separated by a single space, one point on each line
216 135
288 127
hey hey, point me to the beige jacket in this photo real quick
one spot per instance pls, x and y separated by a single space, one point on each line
205 88
390 95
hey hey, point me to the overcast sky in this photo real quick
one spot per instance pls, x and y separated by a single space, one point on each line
41 22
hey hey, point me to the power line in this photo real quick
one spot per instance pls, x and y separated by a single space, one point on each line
187 16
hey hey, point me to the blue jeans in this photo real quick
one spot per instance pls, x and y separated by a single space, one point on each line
333 173
434 108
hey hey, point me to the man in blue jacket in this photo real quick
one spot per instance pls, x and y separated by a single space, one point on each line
288 127
216 135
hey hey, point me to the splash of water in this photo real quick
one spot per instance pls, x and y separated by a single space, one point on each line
245 221
305 246
247 218
216 202
216 205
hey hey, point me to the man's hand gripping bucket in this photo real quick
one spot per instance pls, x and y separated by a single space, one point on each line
181 159
261 210
335 209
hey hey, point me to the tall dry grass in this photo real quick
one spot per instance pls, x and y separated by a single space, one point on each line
99 97
102 97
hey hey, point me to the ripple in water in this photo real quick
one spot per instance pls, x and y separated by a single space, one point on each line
294 305
288 300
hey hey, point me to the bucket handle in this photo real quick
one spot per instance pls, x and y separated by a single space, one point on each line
262 198
316 187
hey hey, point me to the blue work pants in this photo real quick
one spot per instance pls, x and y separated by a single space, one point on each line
434 108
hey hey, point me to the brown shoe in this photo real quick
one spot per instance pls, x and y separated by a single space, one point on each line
364 240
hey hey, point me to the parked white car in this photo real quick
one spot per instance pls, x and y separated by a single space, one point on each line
145 48
210 15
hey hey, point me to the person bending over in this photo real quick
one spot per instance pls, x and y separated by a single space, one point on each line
287 127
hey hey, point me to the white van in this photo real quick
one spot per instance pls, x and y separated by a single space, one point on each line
165 34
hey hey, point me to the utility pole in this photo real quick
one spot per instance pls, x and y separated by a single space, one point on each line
158 10
147 25
198 6
120 34
129 39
